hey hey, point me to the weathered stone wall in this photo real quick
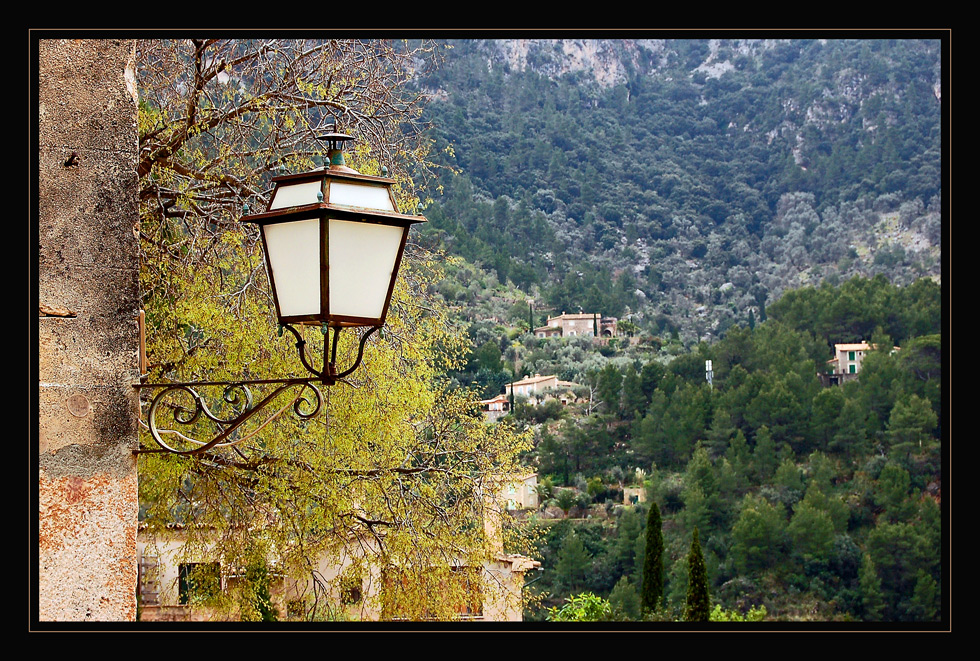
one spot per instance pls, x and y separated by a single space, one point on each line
88 267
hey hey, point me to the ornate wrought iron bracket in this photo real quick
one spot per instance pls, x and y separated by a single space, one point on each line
328 375
236 404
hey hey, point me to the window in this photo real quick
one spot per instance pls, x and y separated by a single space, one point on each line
198 582
459 587
850 355
468 579
852 369
295 609
351 588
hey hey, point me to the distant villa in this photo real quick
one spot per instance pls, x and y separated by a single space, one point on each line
846 363
570 325
540 388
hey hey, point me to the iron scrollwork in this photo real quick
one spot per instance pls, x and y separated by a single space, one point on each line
235 405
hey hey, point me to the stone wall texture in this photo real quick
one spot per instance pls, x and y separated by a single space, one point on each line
88 334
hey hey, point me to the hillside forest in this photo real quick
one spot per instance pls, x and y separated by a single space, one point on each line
816 502
684 184
751 203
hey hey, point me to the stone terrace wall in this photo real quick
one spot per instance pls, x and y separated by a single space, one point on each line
88 340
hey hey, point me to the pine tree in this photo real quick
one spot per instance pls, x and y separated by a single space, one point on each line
698 607
871 597
624 602
574 563
653 562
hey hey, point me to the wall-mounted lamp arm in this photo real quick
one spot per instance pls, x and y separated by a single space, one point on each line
188 406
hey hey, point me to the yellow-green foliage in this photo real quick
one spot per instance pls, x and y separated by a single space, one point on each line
395 473
755 614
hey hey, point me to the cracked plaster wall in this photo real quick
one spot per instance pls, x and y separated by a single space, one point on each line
88 340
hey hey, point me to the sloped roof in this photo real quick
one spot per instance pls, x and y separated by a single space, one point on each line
518 563
533 379
858 346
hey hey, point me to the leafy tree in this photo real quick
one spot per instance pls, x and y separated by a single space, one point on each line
851 436
650 377
584 607
633 401
629 529
823 499
925 605
609 387
721 431
827 407
899 552
565 499
698 606
754 614
395 455
256 600
739 457
652 590
921 361
697 509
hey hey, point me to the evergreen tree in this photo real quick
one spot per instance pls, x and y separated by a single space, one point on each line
764 456
698 607
925 599
632 402
759 535
871 598
624 602
653 562
573 563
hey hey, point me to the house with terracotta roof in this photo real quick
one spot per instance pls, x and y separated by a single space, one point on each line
581 324
846 363
539 388
495 407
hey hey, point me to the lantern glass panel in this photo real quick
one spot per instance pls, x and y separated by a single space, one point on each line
295 195
358 195
293 251
362 264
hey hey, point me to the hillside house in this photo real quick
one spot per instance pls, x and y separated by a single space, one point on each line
582 324
634 495
846 363
522 494
175 587
539 388
495 408
179 584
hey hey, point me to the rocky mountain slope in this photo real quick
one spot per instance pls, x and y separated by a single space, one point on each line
686 183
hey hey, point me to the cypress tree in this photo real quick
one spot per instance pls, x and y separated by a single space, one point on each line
653 562
698 602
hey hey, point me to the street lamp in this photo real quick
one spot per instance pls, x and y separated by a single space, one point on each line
333 240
